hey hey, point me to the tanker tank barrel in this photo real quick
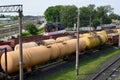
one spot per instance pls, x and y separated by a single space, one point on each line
33 56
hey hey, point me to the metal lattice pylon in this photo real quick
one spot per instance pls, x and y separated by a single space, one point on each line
18 9
11 8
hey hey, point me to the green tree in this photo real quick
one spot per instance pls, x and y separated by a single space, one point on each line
84 16
91 11
87 15
52 14
114 16
2 16
103 11
107 20
64 14
96 22
31 28
68 15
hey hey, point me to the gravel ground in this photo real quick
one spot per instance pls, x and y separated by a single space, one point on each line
41 74
115 75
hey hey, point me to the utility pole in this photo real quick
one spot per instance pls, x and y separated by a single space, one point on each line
90 23
77 45
119 40
20 44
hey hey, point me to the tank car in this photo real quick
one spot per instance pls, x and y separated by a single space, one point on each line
43 53
40 54
5 46
26 45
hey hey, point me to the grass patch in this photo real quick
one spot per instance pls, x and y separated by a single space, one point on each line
2 25
26 33
117 78
85 67
41 30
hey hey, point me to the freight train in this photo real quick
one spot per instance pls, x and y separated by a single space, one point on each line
54 48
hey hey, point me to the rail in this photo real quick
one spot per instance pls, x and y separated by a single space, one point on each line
106 72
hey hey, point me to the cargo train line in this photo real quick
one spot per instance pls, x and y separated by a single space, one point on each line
45 70
60 48
41 73
35 69
56 66
107 72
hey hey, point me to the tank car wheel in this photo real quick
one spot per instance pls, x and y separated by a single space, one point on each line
67 58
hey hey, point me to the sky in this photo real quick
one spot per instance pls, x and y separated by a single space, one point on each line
38 7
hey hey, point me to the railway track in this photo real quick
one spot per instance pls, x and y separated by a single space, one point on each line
27 74
107 72
42 72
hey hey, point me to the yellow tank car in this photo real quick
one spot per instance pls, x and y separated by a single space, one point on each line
118 30
103 32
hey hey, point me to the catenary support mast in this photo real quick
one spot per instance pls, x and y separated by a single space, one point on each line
77 45
18 9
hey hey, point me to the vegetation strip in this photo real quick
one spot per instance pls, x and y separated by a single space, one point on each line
85 67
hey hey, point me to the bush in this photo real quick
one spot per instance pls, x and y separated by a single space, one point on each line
41 30
31 28
96 22
24 34
107 21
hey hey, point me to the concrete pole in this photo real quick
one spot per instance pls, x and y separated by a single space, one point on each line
20 49
90 23
119 40
77 45
6 76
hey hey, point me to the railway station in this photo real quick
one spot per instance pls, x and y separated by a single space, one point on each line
67 42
